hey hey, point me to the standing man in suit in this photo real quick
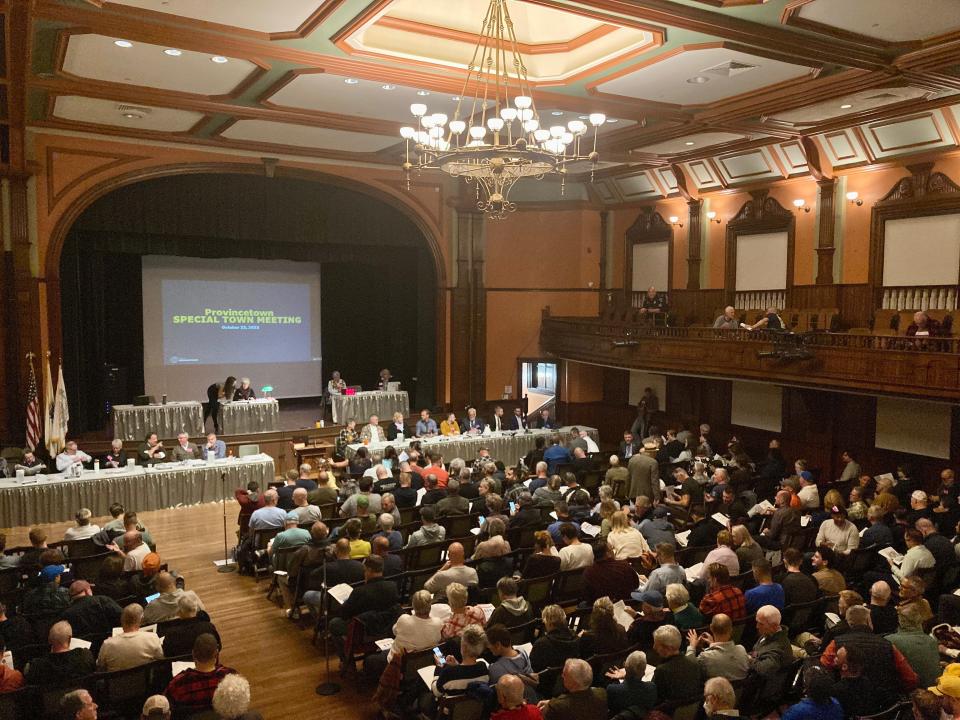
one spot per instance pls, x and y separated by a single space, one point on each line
644 474
472 424
184 449
517 421
498 423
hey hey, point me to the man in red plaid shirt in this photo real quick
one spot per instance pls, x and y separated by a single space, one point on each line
723 597
191 692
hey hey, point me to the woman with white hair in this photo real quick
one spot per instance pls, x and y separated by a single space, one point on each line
685 615
461 614
386 523
454 676
231 699
244 392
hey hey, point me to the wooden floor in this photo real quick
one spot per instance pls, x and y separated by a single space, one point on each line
272 652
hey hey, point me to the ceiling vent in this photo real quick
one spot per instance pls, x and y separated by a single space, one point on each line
729 68
134 112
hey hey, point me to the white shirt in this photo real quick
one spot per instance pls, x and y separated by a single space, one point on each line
65 460
627 544
80 532
497 424
592 446
843 539
413 633
576 556
916 558
134 558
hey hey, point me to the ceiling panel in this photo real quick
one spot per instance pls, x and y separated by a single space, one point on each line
889 20
854 103
749 166
667 179
702 174
690 143
791 157
98 57
107 112
672 77
924 131
275 133
843 148
268 17
636 187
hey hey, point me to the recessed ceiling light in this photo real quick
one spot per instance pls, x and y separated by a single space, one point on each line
351 81
698 80
123 43
218 59
610 120
173 52
689 142
583 117
131 116
456 98
388 87
422 93
557 113
846 106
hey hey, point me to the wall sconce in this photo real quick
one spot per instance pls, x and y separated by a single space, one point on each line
854 197
674 220
712 217
801 204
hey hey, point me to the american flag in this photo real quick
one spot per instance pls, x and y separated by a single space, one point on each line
33 411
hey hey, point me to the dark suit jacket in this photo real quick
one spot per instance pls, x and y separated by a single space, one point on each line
377 594
392 431
476 424
516 423
635 447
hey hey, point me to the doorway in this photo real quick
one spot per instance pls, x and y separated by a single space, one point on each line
538 384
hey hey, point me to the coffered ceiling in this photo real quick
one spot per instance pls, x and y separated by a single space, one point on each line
720 91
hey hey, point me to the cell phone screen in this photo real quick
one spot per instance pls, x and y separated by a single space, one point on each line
513 507
482 520
151 598
439 655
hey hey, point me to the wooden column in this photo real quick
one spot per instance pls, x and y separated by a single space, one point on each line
694 241
826 247
469 314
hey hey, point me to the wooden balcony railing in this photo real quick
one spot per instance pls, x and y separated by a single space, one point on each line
928 367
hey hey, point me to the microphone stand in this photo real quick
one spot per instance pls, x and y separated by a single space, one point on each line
329 687
227 567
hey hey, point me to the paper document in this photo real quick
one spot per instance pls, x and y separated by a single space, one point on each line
340 592
487 611
588 529
179 666
720 518
648 673
7 659
526 483
145 628
832 619
553 514
892 555
526 647
384 644
864 530
475 531
761 508
693 572
887 477
621 615
426 674
420 493
805 520
683 538
78 643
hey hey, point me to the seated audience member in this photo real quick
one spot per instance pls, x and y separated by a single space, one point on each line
326 491
545 559
461 614
430 531
830 581
723 553
7 561
727 320
293 536
719 655
78 705
376 595
857 508
342 569
385 525
923 325
888 669
374 501
653 614
919 648
416 631
513 705
167 605
510 660
134 550
527 512
917 557
132 647
608 576
62 665
513 610
632 691
855 691
603 634
818 702
846 600
250 500
912 588
771 652
455 676
745 546
285 492
180 633
785 530
624 540
556 455
617 475
30 559
110 579
838 533
574 553
677 677
580 699
685 615
719 699
878 532
90 614
722 597
943 551
15 630
231 699
668 572
882 613
557 643
302 509
84 528
269 516
766 591
191 691
453 570
798 587
10 679
453 503
47 596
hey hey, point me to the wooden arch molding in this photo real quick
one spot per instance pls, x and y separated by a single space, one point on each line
649 227
395 199
923 193
760 214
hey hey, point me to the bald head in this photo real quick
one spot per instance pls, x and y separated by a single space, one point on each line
721 627
300 497
879 593
165 582
380 544
455 554
510 691
132 539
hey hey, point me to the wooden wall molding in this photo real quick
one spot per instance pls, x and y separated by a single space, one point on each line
59 185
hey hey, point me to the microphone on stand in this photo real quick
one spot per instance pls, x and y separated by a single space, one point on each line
228 565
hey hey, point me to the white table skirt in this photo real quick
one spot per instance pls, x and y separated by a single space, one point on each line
361 406
134 422
249 416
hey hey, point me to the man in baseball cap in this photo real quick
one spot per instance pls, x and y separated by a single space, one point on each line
90 614
948 687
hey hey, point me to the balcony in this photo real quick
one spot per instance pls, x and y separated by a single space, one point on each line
881 364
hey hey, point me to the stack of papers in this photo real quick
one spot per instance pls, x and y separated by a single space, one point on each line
340 592
487 611
693 572
178 666
761 508
720 518
78 643
621 615
591 530
384 644
892 555
683 538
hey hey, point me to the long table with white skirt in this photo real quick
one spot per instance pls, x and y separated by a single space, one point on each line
54 498
135 422
507 445
249 416
361 406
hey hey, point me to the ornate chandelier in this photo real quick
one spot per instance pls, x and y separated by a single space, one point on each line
505 141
